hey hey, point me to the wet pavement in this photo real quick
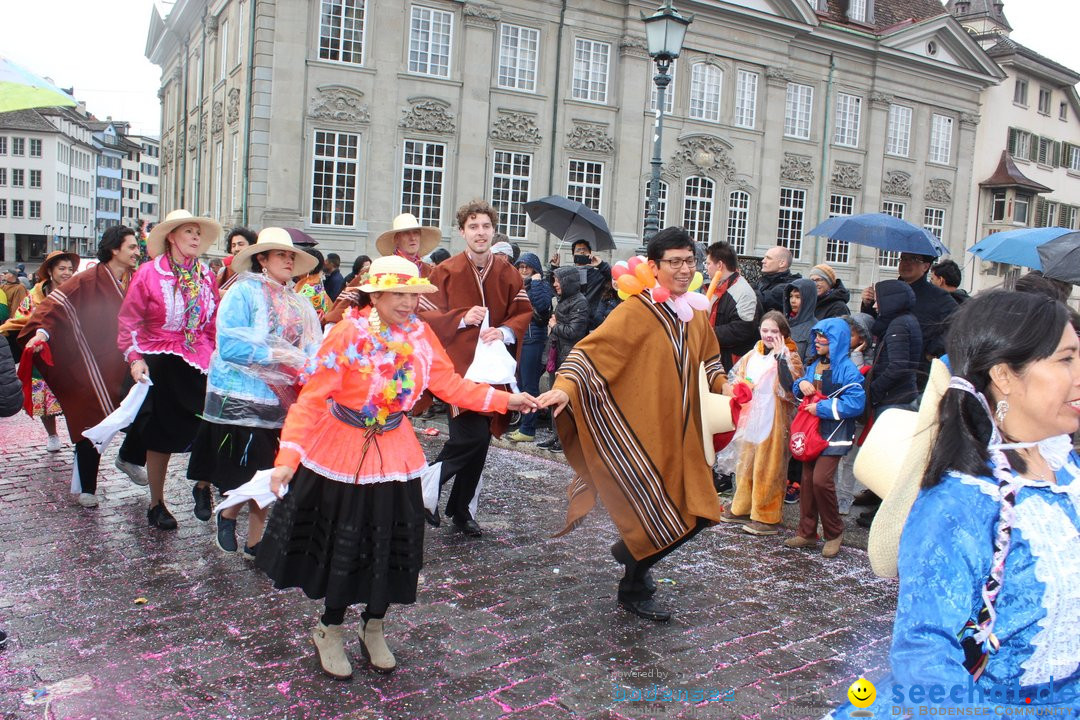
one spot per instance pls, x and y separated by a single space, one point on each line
512 625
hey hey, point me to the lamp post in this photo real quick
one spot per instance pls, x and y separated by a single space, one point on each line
665 31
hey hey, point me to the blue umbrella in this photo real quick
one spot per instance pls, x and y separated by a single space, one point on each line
1016 247
570 220
881 231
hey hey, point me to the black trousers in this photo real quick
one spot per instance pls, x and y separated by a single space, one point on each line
463 457
89 460
632 584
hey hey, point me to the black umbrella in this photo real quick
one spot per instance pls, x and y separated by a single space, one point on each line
1061 258
570 220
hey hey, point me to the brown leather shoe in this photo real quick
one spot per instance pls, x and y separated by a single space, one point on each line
832 547
759 528
729 517
798 541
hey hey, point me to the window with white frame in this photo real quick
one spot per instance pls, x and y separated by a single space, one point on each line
1063 111
219 175
698 197
848 117
746 99
3 144
18 145
738 220
857 10
3 207
1020 90
3 177
792 215
1044 101
242 15
234 170
797 109
888 258
898 134
341 31
997 206
430 31
334 177
1021 209
1073 221
940 138
661 205
223 49
705 85
837 251
585 183
518 52
35 210
422 178
1022 145
669 91
511 182
1046 151
934 221
35 178
18 177
1074 158
35 147
1049 215
16 208
591 59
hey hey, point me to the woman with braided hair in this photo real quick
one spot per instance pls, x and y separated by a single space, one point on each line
989 558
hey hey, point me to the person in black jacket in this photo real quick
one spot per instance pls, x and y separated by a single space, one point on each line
594 274
736 311
947 276
776 275
899 347
11 390
568 325
531 365
832 296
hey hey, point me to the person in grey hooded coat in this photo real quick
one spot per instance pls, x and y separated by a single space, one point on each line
570 322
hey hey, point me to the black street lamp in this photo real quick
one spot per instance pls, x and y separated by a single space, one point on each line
665 31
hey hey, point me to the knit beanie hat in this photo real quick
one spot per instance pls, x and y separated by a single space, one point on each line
824 272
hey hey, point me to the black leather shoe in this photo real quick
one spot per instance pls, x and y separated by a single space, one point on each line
866 518
204 503
434 519
160 517
648 582
646 609
470 527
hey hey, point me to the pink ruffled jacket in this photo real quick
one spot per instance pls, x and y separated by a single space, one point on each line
152 317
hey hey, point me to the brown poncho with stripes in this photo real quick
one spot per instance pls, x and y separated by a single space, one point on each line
632 429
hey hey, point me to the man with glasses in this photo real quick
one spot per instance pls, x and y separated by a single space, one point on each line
776 275
632 422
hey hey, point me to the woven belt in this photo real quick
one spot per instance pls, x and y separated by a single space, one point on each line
356 418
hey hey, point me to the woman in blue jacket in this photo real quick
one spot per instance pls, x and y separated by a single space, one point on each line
531 366
832 374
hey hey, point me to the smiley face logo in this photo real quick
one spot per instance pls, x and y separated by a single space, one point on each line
862 693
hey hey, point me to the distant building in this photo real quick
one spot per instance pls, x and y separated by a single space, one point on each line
149 200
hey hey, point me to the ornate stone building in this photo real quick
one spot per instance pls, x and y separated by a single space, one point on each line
336 115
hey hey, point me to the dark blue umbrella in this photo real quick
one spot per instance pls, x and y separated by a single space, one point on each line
1016 247
881 231
1061 258
570 220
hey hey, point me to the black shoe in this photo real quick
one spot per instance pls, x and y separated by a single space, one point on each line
866 517
866 499
722 483
649 583
549 443
646 608
434 519
250 551
468 526
160 517
226 534
204 502
3 639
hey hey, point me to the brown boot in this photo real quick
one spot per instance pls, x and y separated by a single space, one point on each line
729 517
798 541
374 646
832 547
331 647
759 528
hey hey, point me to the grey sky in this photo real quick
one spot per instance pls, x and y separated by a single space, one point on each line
97 47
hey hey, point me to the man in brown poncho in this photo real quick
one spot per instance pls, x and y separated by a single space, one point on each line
632 426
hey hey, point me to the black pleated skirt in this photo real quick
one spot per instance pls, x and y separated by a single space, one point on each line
169 417
228 455
346 544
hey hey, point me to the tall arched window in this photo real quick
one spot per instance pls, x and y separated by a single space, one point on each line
738 220
705 83
698 197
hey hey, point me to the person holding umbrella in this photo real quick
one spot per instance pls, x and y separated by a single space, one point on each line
594 274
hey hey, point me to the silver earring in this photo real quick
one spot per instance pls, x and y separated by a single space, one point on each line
1002 409
264 272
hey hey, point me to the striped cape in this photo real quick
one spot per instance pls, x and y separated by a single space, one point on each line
81 319
632 428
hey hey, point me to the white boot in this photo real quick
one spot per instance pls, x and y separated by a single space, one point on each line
374 646
328 642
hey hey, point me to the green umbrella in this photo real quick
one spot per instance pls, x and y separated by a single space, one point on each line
20 89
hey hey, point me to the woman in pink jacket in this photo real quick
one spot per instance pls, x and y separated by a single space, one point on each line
166 332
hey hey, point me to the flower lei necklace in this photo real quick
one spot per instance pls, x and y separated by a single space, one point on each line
384 359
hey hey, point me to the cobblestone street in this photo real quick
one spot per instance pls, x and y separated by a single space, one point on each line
512 625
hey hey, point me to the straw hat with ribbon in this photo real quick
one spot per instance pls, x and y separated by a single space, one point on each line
393 273
429 236
891 464
155 241
43 272
274 238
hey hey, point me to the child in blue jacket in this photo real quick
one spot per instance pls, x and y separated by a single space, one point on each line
833 374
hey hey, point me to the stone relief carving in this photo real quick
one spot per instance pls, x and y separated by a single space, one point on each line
634 46
217 123
519 127
939 191
211 25
178 73
480 15
778 75
203 124
847 175
970 118
590 137
702 155
428 115
796 168
192 137
880 98
232 110
166 154
897 182
340 104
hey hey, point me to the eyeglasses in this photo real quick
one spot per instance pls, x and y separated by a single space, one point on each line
676 263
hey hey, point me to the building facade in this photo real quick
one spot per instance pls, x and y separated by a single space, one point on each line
149 200
335 116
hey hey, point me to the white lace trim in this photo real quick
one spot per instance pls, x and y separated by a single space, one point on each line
1055 547
347 479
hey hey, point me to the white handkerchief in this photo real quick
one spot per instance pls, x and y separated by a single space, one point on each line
102 433
257 489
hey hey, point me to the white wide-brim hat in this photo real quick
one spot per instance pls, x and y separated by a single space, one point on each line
393 273
155 241
715 414
891 464
274 238
429 236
